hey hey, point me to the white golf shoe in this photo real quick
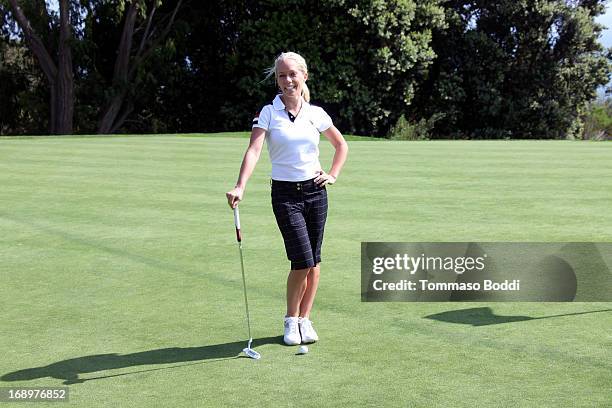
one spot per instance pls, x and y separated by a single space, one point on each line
309 335
292 331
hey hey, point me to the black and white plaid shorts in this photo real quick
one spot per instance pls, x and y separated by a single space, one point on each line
300 209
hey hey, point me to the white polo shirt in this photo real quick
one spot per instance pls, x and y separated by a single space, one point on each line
293 146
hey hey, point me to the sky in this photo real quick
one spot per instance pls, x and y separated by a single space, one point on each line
606 40
606 19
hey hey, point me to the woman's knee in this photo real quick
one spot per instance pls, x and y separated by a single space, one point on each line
315 270
300 272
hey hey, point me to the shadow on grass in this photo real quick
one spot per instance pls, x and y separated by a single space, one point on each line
69 370
484 316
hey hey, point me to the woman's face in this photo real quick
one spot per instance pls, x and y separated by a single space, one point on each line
290 79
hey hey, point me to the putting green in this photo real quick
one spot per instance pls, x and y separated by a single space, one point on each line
121 278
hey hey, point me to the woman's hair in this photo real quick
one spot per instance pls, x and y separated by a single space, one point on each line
300 61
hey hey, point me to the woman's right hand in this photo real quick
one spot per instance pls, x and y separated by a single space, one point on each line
234 196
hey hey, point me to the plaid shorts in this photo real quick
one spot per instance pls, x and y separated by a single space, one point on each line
300 209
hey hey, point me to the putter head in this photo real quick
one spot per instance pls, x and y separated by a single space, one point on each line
251 353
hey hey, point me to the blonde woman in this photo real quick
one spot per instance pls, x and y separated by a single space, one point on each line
292 126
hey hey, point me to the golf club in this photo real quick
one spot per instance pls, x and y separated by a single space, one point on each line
248 350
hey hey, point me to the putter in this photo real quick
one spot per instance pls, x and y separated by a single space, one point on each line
248 350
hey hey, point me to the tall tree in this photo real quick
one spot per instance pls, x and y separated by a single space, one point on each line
132 52
366 57
520 69
57 68
52 37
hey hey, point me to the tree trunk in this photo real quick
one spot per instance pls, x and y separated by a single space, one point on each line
59 77
111 113
65 78
118 109
52 108
120 75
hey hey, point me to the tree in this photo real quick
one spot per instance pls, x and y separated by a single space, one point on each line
58 70
457 68
23 105
130 59
365 58
51 37
519 69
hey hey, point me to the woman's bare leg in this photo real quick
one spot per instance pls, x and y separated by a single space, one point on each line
312 283
296 287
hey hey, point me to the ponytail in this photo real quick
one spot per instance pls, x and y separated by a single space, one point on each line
305 92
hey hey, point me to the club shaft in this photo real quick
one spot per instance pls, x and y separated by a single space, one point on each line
246 300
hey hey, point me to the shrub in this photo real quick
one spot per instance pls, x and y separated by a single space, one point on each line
598 121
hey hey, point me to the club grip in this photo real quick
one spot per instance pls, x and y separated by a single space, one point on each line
237 224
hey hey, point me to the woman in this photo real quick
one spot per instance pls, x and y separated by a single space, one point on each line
292 129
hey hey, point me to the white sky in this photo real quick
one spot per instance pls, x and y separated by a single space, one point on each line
606 19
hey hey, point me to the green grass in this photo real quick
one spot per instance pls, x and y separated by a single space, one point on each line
119 269
232 135
247 134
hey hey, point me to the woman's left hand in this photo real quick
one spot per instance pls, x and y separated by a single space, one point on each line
323 179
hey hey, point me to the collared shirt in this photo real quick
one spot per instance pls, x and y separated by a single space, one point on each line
293 145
